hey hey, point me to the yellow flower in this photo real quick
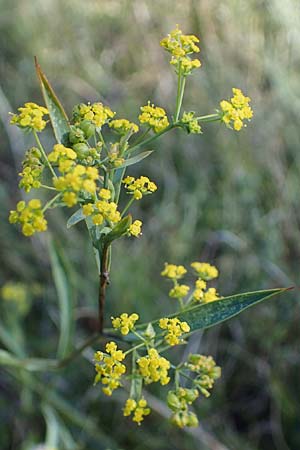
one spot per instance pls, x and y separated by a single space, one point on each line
205 270
105 194
78 178
30 116
174 272
154 367
96 113
63 156
125 323
135 228
181 46
139 409
123 126
31 217
155 117
175 328
179 291
210 295
207 372
139 187
109 368
32 170
236 110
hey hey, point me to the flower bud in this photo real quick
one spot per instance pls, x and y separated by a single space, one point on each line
173 401
88 128
76 135
81 149
192 420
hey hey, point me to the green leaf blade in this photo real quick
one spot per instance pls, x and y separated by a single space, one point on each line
207 315
58 117
65 300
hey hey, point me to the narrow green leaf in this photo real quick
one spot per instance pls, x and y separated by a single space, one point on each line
7 359
77 217
118 231
136 159
62 282
58 117
210 314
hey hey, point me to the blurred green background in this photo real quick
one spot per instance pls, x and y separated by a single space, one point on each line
228 198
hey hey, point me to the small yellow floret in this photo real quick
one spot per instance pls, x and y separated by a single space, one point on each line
175 328
174 272
125 323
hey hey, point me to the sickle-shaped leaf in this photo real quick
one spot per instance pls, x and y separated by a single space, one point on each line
213 313
77 217
136 159
58 117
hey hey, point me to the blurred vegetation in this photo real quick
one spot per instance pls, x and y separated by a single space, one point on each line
230 198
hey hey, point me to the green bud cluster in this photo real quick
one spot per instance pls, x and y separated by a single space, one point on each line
179 401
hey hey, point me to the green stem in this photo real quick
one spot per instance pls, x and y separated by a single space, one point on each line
102 140
140 139
48 204
153 138
104 279
134 348
180 99
177 109
209 118
128 206
48 187
44 153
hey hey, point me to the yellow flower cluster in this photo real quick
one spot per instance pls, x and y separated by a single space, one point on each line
179 401
154 116
175 329
191 122
180 46
125 323
123 126
31 217
179 291
103 209
154 367
139 186
135 228
139 409
174 272
32 170
207 371
79 178
96 113
205 270
236 110
30 116
16 294
63 156
109 367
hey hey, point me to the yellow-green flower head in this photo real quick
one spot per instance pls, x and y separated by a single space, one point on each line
135 228
139 187
96 113
109 367
179 401
205 270
30 117
235 111
175 329
125 323
174 272
139 409
78 178
191 122
181 46
207 372
103 209
154 367
30 216
179 291
123 126
154 116
32 170
63 157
